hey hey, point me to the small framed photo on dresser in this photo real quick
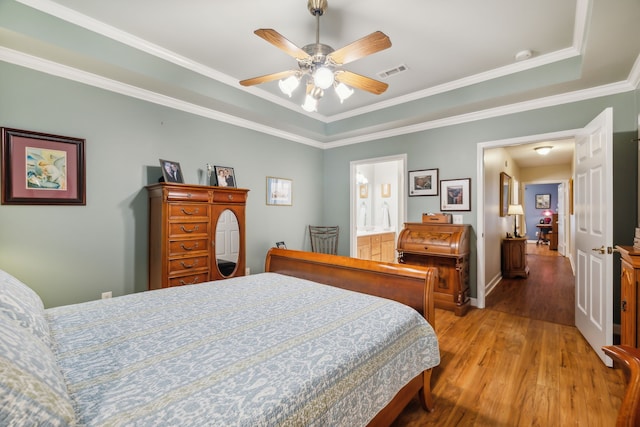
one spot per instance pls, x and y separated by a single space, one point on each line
171 171
225 177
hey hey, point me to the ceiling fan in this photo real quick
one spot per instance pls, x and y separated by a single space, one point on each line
320 65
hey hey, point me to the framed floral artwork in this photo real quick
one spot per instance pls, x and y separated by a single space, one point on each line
42 169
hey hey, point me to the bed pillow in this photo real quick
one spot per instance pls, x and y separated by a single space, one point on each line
32 389
21 303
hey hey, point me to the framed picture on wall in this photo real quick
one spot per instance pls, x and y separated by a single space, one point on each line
423 182
543 201
455 194
505 193
42 169
279 191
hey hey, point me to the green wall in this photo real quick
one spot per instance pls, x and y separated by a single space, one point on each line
73 254
453 150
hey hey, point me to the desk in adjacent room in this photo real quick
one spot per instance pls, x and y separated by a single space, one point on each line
543 233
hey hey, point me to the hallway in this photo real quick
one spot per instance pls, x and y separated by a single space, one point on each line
547 294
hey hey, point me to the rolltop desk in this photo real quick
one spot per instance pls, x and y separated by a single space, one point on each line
445 246
185 240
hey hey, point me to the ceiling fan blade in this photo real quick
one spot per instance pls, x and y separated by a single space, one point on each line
267 78
279 41
374 42
361 82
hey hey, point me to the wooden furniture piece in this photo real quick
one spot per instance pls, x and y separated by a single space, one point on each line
377 247
629 277
629 357
410 285
324 239
445 246
544 230
514 257
184 234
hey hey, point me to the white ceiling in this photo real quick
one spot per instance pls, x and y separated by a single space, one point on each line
457 48
561 154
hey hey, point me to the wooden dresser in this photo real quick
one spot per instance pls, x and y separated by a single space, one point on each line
514 257
630 276
189 233
445 246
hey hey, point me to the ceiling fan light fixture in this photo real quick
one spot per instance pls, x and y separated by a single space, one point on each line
323 77
311 100
310 104
288 85
343 91
543 151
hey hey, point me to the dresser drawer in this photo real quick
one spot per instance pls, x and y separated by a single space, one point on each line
183 229
188 210
229 197
190 279
184 247
186 194
190 263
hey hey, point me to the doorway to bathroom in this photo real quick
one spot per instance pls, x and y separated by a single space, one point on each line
377 206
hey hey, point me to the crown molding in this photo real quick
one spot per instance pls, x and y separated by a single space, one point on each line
70 73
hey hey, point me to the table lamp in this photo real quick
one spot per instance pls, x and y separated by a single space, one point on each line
515 210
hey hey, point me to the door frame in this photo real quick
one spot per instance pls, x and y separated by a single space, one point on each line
481 281
401 191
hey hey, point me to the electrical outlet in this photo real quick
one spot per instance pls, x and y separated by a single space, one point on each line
106 295
247 271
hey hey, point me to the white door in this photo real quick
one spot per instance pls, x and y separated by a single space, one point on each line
561 220
594 232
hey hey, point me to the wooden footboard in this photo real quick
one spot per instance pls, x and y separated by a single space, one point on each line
411 285
408 284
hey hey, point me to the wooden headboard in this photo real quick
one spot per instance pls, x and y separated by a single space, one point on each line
409 284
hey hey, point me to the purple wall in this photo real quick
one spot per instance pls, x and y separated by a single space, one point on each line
533 215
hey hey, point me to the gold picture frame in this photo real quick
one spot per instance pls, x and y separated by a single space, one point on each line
505 193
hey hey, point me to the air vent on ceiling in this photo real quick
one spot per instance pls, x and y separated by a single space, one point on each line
393 71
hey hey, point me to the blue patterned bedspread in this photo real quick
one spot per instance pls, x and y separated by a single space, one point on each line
261 350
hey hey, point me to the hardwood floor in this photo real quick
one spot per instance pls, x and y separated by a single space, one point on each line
520 361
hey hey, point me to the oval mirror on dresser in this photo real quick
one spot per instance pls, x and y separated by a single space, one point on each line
227 243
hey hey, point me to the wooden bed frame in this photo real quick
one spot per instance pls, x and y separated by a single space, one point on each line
410 285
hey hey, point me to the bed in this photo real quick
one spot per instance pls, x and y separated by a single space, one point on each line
276 348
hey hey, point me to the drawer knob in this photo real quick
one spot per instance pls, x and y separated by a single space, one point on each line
189 195
190 231
230 196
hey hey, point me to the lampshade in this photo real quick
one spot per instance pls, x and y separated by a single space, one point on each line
288 85
543 151
515 210
343 91
311 100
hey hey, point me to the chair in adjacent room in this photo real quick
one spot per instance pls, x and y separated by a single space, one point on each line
324 239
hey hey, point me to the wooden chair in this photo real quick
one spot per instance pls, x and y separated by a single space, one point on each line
629 357
324 239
